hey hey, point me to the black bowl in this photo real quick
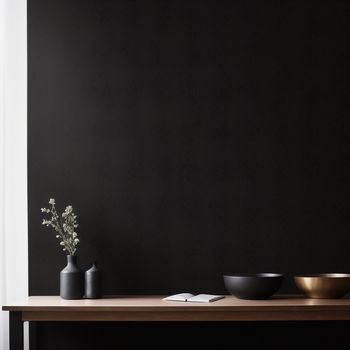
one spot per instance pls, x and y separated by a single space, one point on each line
255 286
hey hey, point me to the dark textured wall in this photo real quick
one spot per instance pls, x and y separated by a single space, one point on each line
193 138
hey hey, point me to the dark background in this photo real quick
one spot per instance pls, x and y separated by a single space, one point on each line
193 138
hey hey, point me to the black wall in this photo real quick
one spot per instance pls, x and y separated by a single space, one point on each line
193 138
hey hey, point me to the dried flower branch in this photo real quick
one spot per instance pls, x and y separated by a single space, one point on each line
64 225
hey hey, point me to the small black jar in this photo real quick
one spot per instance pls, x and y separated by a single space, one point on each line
93 283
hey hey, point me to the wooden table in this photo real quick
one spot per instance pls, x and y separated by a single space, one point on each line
152 308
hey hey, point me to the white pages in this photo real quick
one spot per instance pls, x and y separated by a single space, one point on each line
200 298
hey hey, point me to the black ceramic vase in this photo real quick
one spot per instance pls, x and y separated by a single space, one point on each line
71 280
93 283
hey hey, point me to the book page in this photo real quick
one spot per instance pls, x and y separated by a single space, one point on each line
179 297
205 298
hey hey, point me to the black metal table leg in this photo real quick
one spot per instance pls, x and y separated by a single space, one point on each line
16 330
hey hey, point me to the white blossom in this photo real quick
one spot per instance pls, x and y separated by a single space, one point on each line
64 227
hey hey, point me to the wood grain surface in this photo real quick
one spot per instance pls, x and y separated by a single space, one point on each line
153 308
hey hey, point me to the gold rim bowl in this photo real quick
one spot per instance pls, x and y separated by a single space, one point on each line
324 285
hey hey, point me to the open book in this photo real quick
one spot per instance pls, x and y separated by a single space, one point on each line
200 298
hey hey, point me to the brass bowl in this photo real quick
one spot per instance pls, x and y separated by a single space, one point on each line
324 286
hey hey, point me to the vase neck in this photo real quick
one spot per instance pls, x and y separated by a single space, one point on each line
71 259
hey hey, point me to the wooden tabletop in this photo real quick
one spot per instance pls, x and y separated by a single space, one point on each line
153 308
